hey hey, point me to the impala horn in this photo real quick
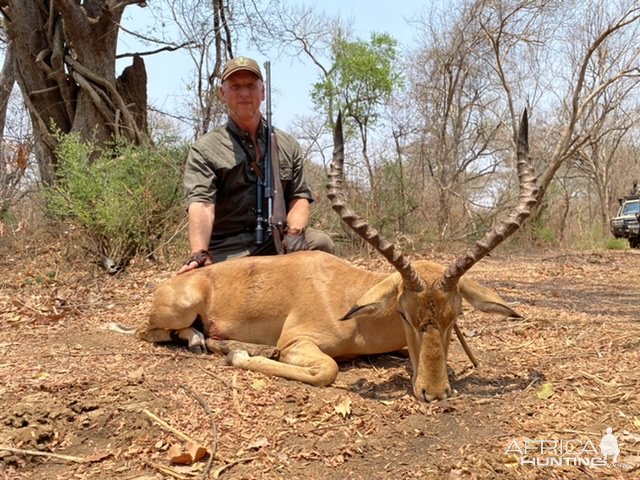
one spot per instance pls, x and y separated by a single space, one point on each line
493 238
336 194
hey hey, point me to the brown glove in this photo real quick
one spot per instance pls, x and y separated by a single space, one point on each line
201 258
294 240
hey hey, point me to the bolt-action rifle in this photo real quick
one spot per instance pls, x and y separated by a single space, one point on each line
269 185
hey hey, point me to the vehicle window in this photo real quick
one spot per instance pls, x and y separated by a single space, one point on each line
631 208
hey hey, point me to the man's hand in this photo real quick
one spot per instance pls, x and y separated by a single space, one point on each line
294 240
197 260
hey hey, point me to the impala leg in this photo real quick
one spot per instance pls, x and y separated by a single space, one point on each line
302 361
225 347
193 337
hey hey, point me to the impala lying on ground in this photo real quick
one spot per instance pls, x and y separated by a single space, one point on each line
316 308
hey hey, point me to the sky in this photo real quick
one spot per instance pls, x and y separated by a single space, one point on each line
168 72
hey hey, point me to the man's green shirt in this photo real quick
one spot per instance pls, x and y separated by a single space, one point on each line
218 171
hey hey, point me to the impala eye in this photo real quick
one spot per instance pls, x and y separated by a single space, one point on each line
403 316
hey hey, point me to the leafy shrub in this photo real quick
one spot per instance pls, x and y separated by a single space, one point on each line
617 244
544 235
126 199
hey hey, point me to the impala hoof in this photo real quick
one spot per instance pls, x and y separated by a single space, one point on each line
197 349
427 397
197 342
236 358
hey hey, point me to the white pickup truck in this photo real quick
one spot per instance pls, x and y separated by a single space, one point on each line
626 224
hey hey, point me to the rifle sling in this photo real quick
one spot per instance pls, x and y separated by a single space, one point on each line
279 206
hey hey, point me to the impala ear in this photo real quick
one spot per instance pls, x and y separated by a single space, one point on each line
376 298
485 299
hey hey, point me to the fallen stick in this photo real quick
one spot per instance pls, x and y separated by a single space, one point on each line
221 380
214 429
165 425
176 432
166 470
218 472
191 356
38 453
465 345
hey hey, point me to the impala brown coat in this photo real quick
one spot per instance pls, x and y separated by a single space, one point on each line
298 303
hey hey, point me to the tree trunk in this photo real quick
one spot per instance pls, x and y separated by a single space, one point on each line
132 85
7 81
65 57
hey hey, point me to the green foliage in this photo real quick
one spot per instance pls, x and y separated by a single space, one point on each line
536 230
617 244
125 199
544 235
363 76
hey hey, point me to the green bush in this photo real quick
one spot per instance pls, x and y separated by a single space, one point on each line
126 197
544 235
617 244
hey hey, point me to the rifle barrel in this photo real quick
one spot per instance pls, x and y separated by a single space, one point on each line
268 165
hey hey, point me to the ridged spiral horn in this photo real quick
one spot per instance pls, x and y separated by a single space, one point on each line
493 238
335 193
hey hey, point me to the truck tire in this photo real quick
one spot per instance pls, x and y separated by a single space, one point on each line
634 242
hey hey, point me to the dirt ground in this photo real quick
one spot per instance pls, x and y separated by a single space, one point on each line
81 402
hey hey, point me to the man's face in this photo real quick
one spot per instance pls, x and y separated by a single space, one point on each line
242 92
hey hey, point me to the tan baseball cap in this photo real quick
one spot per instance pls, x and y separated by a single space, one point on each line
241 63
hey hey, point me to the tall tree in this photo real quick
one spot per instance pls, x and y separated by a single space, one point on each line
361 80
489 59
64 60
603 74
459 144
